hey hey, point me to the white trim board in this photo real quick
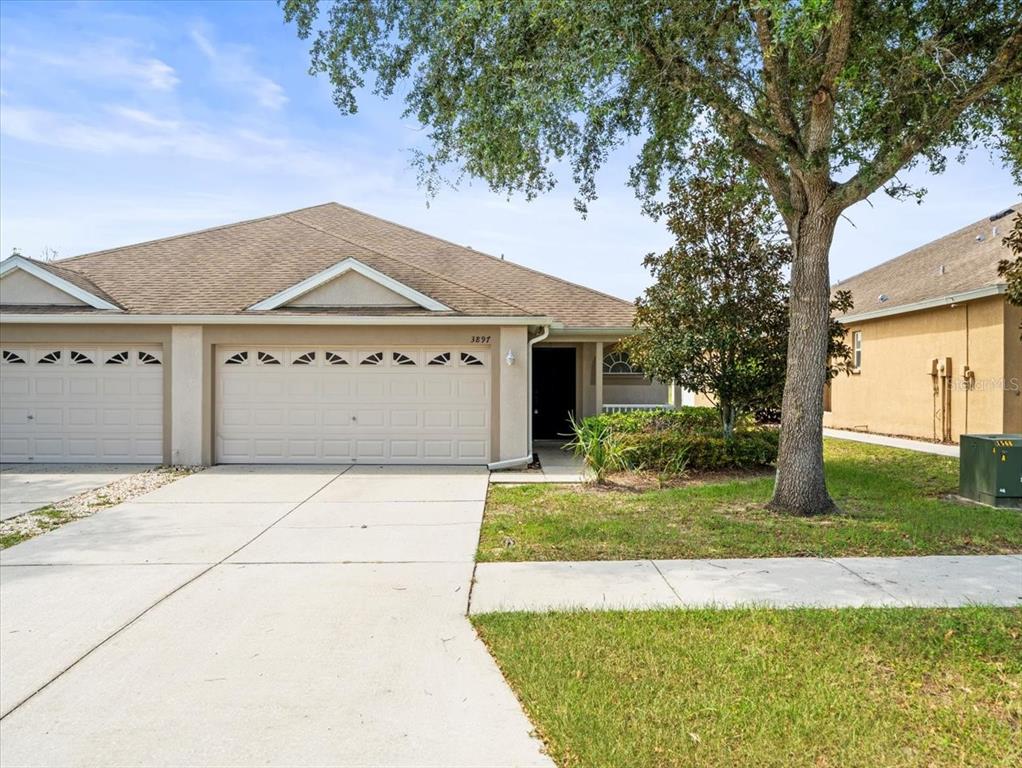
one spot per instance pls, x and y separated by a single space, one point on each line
347 265
12 263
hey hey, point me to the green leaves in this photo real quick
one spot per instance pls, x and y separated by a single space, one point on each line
508 89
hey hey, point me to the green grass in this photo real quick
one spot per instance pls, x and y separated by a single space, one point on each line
890 503
10 539
760 688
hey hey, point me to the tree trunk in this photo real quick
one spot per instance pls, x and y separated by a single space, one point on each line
800 488
727 418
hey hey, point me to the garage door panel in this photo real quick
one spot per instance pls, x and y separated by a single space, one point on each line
337 450
80 387
404 418
473 449
47 417
116 417
336 417
82 404
15 385
47 386
469 418
82 417
372 450
438 417
268 417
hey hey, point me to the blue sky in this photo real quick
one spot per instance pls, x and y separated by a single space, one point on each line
121 122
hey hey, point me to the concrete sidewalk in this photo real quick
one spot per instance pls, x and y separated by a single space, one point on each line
557 466
893 442
777 582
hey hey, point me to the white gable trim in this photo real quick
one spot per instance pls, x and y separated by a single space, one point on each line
338 269
12 263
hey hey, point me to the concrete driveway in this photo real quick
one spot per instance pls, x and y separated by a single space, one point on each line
258 616
24 487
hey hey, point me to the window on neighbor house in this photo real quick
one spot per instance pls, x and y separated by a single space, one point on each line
857 349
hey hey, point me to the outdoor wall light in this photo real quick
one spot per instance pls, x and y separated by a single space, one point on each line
510 357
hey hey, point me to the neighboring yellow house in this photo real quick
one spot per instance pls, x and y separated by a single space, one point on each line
936 344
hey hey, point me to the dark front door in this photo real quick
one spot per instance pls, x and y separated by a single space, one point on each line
553 391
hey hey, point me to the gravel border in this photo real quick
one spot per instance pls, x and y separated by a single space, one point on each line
15 530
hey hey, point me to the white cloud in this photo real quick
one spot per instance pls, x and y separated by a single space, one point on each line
230 65
122 130
109 61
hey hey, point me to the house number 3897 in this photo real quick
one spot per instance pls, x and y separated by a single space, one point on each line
480 339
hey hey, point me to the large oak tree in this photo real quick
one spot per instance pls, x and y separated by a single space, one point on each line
827 99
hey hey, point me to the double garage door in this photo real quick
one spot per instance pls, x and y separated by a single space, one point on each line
81 404
402 405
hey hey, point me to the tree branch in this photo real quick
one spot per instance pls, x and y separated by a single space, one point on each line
821 112
775 78
889 159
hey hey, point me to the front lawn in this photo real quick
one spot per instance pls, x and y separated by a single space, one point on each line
891 504
760 688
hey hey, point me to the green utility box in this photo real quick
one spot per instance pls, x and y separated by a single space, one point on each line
990 469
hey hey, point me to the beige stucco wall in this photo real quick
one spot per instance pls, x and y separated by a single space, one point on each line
512 393
893 391
352 290
187 406
189 370
1013 369
18 287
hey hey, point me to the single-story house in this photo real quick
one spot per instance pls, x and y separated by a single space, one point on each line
936 344
320 335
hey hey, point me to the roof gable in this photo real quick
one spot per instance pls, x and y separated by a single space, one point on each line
349 283
27 282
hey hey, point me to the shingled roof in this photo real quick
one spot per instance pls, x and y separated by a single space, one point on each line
226 269
960 263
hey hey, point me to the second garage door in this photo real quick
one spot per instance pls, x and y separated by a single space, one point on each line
396 405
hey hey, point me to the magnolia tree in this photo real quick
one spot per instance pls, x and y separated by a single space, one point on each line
826 100
715 319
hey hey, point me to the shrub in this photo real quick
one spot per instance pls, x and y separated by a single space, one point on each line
600 447
668 441
685 419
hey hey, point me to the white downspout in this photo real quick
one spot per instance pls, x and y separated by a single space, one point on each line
527 459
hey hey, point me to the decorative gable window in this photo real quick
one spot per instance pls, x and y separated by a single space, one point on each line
444 358
467 358
400 358
265 358
80 358
147 358
13 358
50 358
618 361
238 358
336 358
118 358
374 358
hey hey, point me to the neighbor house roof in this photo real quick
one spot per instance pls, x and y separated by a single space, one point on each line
227 269
956 267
